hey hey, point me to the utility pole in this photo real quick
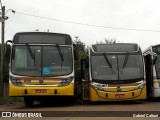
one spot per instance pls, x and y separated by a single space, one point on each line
2 55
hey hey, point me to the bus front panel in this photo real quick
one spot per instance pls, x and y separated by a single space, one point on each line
116 94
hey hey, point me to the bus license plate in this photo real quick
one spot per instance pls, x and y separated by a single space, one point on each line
120 96
41 91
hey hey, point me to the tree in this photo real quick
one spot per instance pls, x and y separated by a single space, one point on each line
108 40
81 48
5 69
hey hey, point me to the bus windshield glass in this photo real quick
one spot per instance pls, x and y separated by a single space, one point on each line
122 67
39 60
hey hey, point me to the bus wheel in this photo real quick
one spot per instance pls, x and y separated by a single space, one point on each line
29 101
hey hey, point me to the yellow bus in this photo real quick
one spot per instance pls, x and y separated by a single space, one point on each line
41 64
113 72
152 67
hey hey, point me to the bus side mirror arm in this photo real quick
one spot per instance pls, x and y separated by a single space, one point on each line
76 52
82 68
154 60
7 51
87 62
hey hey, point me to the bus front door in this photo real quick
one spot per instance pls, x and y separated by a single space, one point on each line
85 78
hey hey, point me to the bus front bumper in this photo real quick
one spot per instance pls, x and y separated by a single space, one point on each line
41 90
96 95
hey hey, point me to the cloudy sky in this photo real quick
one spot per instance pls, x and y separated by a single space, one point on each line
111 14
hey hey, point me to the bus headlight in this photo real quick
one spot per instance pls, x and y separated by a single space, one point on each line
139 86
97 87
16 82
66 81
100 88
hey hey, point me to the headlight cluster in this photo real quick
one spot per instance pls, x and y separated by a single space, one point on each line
97 87
66 81
139 86
16 82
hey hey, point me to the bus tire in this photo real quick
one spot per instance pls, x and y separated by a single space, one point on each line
29 101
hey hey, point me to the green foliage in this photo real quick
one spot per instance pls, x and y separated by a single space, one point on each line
107 40
81 48
80 45
5 69
6 99
11 100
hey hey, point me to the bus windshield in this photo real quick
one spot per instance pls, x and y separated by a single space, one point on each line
39 60
158 66
122 67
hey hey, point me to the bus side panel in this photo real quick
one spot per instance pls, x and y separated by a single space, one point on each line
15 90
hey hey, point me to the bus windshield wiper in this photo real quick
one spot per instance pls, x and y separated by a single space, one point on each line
60 52
30 52
106 58
125 60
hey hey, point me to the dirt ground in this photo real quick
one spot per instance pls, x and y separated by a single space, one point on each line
79 106
87 111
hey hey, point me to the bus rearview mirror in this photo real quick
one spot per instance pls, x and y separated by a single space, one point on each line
7 51
76 55
87 62
154 59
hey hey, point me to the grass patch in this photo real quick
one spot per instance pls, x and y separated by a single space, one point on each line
7 99
10 100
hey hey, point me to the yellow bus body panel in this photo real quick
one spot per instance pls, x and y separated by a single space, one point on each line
96 95
49 91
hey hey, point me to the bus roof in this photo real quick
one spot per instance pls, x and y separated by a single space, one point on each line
152 48
156 45
116 47
42 38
